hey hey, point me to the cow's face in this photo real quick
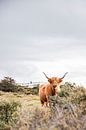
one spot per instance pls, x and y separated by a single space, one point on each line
55 81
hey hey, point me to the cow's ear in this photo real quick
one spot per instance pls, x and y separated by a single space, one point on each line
50 80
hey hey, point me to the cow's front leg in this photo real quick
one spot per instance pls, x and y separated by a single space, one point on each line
48 103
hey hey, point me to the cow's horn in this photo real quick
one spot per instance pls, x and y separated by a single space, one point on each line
64 75
45 75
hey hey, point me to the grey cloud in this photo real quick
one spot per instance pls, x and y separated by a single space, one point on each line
52 18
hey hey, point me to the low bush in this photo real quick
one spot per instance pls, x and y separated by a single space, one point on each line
8 113
69 108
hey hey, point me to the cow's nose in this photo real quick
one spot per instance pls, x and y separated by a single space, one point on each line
54 86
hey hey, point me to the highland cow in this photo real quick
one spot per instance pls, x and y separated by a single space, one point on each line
50 89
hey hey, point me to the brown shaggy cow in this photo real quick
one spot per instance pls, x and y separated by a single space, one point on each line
50 89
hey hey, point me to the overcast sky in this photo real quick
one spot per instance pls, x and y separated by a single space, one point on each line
43 35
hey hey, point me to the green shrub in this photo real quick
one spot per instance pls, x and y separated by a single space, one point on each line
8 85
8 113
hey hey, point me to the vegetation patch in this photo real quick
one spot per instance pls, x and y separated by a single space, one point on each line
67 111
8 113
9 85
